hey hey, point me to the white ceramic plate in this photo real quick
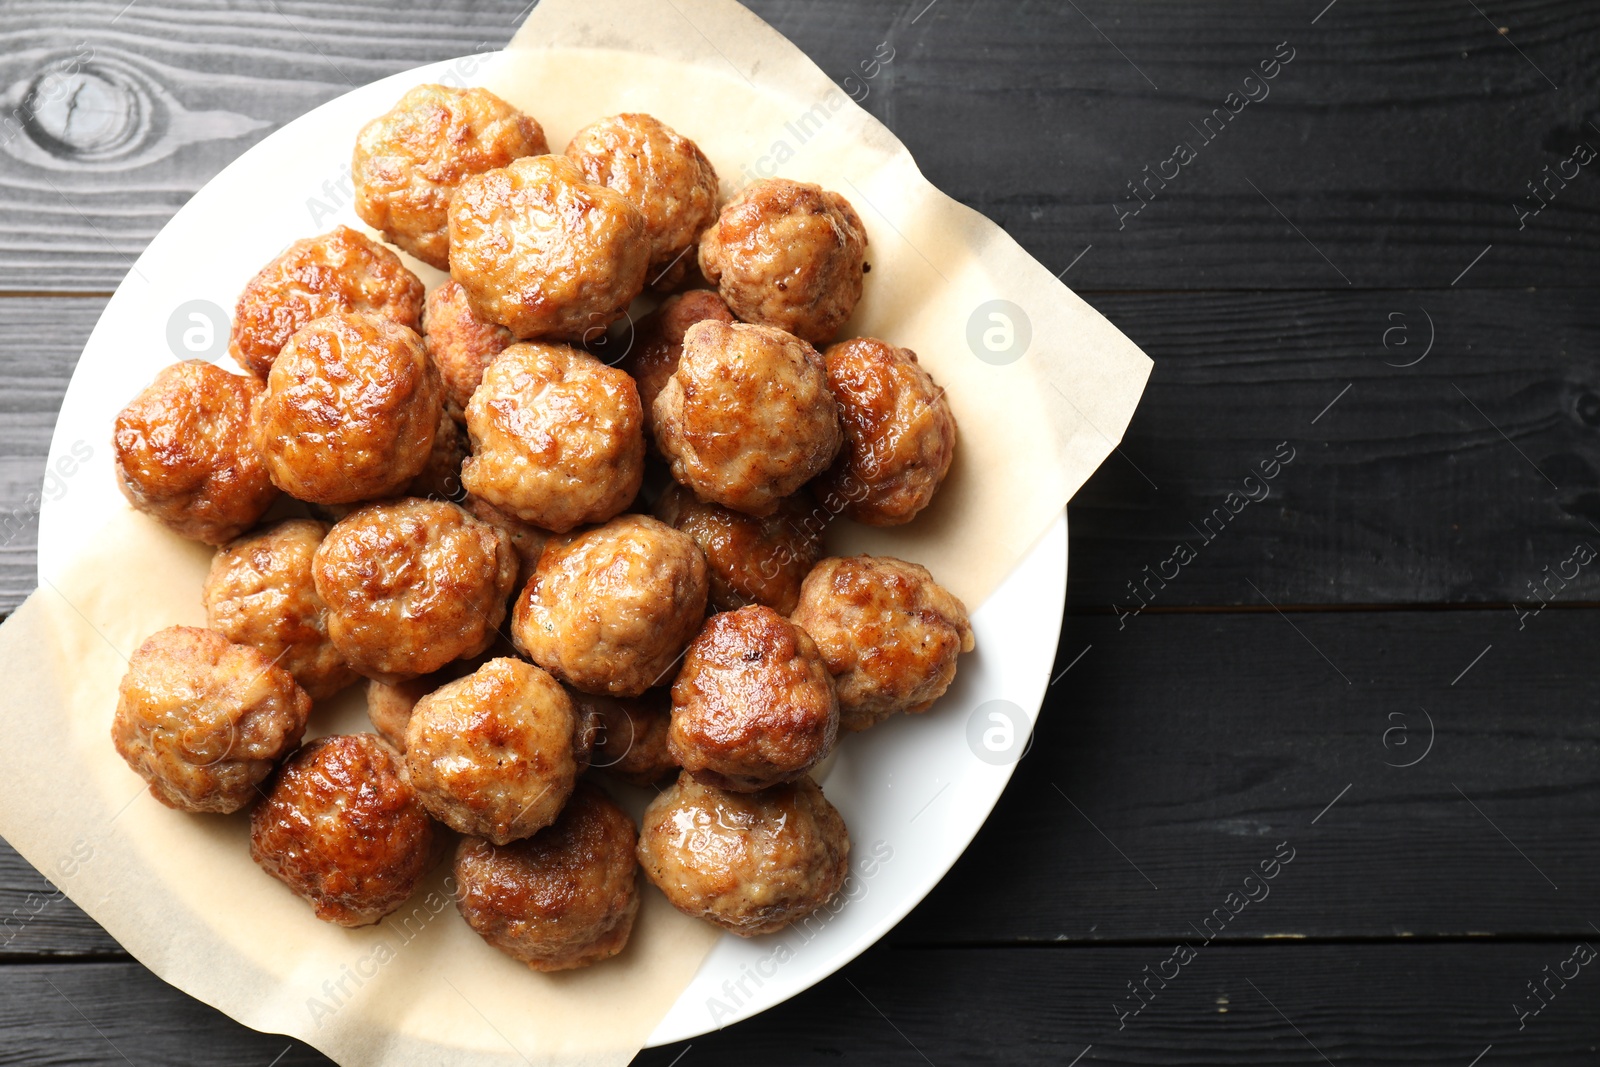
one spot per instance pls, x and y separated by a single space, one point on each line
913 791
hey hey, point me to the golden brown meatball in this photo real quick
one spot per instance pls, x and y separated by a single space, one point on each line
260 593
339 271
752 561
389 704
545 253
527 540
748 862
787 254
204 720
889 633
609 610
663 174
350 412
343 828
440 477
754 704
658 345
556 437
899 433
491 754
459 344
747 418
631 734
409 161
185 455
411 585
565 897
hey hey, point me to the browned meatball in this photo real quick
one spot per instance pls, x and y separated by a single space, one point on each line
754 704
663 174
609 610
545 253
491 754
459 344
631 734
527 540
350 412
260 593
752 561
440 477
204 720
389 704
409 161
185 455
556 437
747 418
787 254
317 276
658 345
899 433
748 862
411 585
565 897
889 633
343 828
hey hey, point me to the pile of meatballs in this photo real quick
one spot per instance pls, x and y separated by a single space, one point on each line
548 567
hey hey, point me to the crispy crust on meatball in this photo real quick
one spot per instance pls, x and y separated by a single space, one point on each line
544 252
350 412
527 540
748 862
608 610
752 561
659 343
343 829
889 633
663 174
563 898
491 754
459 344
787 254
338 271
203 720
631 734
185 455
409 161
556 437
411 585
754 704
899 433
260 592
747 418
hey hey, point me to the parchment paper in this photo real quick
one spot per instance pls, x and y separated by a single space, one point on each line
1042 393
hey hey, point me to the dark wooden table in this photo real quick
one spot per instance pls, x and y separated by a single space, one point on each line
1384 264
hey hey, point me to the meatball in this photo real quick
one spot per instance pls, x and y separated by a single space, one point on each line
350 412
609 610
459 344
751 560
411 585
563 898
787 254
317 276
545 253
491 754
747 418
748 862
343 828
556 437
663 174
185 455
889 634
527 540
440 477
631 734
409 161
754 704
659 343
260 592
203 720
899 433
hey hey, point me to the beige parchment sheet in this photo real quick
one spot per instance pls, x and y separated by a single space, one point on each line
1041 394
